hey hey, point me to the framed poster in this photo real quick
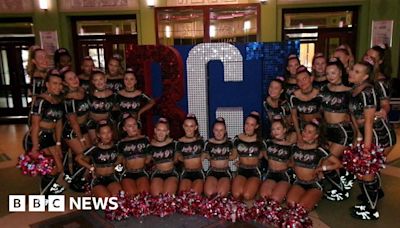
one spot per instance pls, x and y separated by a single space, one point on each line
49 41
382 32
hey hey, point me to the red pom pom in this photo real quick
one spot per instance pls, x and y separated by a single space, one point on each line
35 165
296 216
189 202
163 205
267 211
361 162
123 210
141 205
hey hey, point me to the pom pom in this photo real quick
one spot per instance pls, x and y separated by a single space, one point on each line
360 162
123 210
35 165
267 211
141 205
296 216
189 202
163 205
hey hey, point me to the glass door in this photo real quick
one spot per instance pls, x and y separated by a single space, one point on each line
14 79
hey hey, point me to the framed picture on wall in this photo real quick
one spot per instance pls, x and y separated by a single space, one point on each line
49 41
382 32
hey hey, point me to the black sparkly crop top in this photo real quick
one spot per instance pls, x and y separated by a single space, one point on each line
47 111
37 86
282 110
290 88
247 149
103 157
190 149
220 151
320 84
309 158
365 99
131 104
100 105
277 152
162 154
135 148
306 107
333 101
115 84
383 89
80 107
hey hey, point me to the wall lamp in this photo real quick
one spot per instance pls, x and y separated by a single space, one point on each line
44 5
151 3
263 2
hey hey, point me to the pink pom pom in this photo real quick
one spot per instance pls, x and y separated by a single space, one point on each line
38 165
123 210
267 211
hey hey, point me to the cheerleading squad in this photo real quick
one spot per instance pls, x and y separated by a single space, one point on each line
312 116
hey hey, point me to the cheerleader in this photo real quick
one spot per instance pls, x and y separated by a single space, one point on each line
87 67
218 150
318 70
293 62
75 132
249 147
131 100
309 160
45 131
115 78
62 59
385 134
101 102
164 179
275 104
344 54
363 103
104 158
134 148
37 70
189 150
278 154
339 128
305 102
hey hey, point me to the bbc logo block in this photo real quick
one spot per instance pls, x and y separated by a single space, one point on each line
36 203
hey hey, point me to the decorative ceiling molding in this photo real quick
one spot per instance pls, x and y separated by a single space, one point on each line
16 6
104 5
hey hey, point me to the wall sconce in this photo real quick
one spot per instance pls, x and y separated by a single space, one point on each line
247 25
151 3
168 31
213 31
263 2
43 5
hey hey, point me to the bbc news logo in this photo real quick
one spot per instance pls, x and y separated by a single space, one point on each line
56 203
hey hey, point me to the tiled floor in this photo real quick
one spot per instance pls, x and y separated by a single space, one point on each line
328 214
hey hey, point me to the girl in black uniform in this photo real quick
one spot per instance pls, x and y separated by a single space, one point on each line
344 54
115 78
162 150
131 100
219 151
305 101
293 62
45 131
278 154
339 128
385 134
37 70
134 149
104 157
87 67
101 102
275 104
62 59
363 103
189 150
248 146
309 160
75 131
318 70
